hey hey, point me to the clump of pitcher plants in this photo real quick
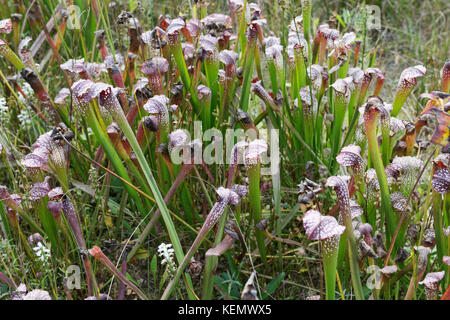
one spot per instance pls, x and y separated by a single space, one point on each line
194 131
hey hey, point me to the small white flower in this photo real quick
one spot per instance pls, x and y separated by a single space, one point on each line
3 105
3 109
25 118
42 252
167 252
26 88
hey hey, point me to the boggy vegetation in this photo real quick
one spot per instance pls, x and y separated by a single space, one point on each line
94 206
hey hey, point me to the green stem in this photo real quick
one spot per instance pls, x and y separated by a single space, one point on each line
375 156
128 132
212 75
177 52
248 71
212 261
113 157
329 266
306 14
438 225
386 144
339 116
353 257
254 196
399 100
273 76
352 128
